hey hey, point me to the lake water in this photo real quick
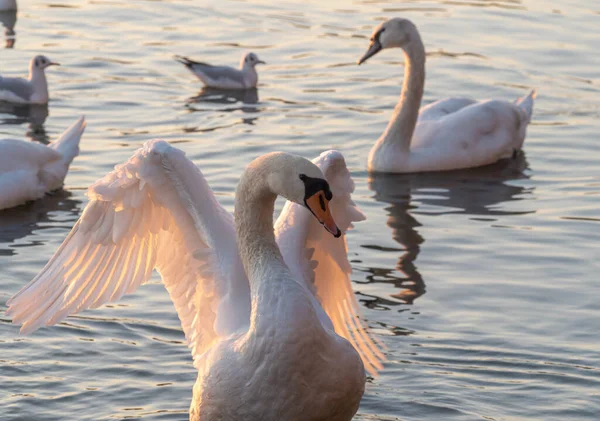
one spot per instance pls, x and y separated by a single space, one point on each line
482 284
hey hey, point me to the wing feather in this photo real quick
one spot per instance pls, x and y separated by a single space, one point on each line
155 211
323 260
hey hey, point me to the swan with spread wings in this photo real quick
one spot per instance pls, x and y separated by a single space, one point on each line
268 312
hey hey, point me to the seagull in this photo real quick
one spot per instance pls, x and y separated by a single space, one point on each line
28 170
225 77
33 90
8 5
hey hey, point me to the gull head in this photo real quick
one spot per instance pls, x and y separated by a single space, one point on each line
251 60
41 62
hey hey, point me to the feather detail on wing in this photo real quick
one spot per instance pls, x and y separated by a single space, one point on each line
154 211
323 259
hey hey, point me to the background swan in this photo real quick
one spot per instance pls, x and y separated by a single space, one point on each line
264 346
34 89
448 134
28 170
225 77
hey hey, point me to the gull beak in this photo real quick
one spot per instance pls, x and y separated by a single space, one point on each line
319 207
53 63
374 48
260 62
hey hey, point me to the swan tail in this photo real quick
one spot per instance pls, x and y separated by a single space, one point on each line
68 143
54 173
525 110
526 104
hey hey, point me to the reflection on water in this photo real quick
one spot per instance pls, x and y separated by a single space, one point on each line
22 221
34 114
231 98
477 192
225 100
9 20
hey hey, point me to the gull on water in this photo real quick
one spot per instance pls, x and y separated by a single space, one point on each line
33 90
225 77
28 170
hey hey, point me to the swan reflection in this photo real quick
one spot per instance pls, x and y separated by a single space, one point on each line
478 192
22 221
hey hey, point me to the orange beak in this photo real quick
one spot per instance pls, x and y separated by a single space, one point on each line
320 209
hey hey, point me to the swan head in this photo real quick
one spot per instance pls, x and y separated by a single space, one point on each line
299 181
251 60
40 63
393 33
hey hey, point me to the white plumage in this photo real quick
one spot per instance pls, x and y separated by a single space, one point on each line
34 89
28 170
157 211
449 134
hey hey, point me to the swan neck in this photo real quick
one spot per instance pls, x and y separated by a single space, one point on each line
401 127
261 257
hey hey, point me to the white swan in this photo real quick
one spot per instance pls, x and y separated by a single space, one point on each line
263 346
225 77
34 89
28 170
450 134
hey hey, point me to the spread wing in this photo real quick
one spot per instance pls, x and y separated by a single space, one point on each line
154 211
323 261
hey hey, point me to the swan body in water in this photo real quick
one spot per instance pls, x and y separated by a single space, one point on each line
28 170
269 313
449 134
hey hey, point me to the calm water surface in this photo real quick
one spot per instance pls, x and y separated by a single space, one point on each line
482 284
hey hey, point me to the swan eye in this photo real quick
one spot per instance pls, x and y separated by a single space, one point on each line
303 177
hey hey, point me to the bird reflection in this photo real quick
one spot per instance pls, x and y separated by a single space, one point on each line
22 221
8 19
34 114
476 192
244 100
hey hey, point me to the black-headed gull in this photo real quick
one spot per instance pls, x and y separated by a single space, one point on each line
225 77
33 90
